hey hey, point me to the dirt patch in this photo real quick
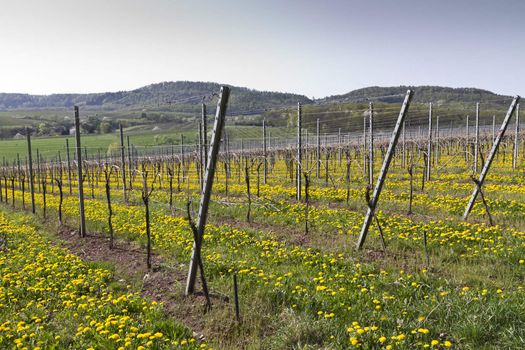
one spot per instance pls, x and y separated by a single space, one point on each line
161 283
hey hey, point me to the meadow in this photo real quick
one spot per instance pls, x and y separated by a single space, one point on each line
437 281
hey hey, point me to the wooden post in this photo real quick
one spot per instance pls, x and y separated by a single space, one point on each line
467 148
371 144
403 140
476 140
493 128
206 193
491 155
182 156
318 151
79 175
436 150
204 121
429 145
516 139
38 170
364 147
200 156
123 162
31 180
299 149
69 167
130 164
265 153
384 170
339 148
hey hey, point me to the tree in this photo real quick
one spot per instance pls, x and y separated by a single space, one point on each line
105 127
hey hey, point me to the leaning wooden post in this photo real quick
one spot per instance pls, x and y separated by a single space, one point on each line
79 175
490 158
31 180
516 139
299 153
123 162
318 151
265 153
206 193
371 144
476 140
429 145
384 170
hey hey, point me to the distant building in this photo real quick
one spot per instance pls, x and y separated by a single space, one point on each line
72 131
156 128
18 136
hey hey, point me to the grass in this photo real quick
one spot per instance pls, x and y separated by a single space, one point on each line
309 291
142 137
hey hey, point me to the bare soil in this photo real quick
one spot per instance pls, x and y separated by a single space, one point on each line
161 283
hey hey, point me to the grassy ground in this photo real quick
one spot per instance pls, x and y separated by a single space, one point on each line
314 290
141 137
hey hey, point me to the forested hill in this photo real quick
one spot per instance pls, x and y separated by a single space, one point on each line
176 95
436 94
184 95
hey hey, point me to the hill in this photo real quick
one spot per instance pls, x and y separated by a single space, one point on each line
423 94
179 96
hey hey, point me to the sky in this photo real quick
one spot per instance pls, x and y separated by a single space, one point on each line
311 47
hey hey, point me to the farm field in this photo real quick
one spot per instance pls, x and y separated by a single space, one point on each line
142 138
437 282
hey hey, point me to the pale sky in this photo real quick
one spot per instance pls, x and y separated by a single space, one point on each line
311 47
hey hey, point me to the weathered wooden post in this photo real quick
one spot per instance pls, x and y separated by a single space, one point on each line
436 150
429 145
364 147
265 153
200 151
371 144
384 170
318 151
79 175
130 164
206 193
491 155
123 162
30 167
299 151
38 170
69 167
467 146
204 121
339 148
403 140
493 128
182 157
516 138
476 140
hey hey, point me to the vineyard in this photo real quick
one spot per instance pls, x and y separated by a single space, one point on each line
347 233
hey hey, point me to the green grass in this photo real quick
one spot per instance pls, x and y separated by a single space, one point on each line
141 137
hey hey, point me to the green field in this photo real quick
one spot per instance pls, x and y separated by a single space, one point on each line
141 137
